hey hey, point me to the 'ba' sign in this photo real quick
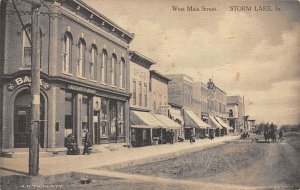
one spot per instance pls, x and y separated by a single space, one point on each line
26 80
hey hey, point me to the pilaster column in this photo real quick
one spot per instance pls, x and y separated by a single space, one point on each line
127 124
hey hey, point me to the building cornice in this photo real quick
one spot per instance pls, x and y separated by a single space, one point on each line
141 59
94 16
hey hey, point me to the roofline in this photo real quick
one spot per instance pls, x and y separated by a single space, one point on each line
160 75
143 57
131 35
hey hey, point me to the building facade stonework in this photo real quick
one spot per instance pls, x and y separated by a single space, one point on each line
84 75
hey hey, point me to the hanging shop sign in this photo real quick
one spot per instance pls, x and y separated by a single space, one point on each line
81 89
26 80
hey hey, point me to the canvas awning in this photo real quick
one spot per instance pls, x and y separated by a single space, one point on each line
223 124
175 114
214 122
139 119
191 120
168 123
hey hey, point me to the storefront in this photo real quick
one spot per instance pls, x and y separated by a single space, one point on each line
142 124
226 128
170 129
216 126
194 125
65 109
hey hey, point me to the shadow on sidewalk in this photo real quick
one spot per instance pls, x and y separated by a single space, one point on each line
15 171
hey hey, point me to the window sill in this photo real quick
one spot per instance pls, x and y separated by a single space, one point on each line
104 84
24 68
94 81
80 77
114 86
65 73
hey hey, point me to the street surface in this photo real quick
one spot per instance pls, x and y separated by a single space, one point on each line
242 164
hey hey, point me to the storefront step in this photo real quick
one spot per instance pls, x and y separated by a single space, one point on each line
24 152
108 147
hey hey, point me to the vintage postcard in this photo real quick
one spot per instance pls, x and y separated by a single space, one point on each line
138 94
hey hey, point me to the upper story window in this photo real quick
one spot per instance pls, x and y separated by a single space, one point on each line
122 76
27 46
113 70
81 58
67 49
230 113
134 92
154 101
103 68
145 95
93 63
140 94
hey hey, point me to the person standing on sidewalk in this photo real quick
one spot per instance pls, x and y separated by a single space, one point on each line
192 139
87 142
172 137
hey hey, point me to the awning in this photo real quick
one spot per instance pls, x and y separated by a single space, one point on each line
139 119
175 114
193 121
214 122
223 124
168 123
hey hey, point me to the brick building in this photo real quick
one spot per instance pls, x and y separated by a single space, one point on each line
140 107
217 109
235 110
159 92
200 100
181 92
84 75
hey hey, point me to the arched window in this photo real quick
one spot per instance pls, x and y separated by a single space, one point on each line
103 68
67 49
81 58
113 70
230 113
122 73
27 46
93 62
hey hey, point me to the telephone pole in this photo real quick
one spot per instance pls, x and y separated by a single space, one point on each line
35 90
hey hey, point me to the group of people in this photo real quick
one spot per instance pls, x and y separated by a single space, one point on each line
72 145
169 137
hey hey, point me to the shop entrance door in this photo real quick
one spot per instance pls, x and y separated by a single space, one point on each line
22 127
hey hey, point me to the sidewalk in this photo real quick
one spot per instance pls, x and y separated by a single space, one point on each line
110 159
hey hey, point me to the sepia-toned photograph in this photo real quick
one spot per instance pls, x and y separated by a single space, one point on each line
158 95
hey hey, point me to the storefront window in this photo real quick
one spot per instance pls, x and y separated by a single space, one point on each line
113 127
103 115
68 114
121 112
84 112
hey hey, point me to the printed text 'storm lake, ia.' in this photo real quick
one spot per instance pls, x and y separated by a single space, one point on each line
239 8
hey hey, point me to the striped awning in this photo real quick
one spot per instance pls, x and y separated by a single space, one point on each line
223 124
168 123
139 119
191 120
214 122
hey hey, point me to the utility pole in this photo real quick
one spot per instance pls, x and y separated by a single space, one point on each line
35 90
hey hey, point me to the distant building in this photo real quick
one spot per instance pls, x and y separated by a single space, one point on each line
200 100
159 92
235 110
180 90
217 109
252 125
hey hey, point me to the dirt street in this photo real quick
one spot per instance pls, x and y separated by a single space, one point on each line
243 162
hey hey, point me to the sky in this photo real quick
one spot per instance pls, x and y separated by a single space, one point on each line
251 53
